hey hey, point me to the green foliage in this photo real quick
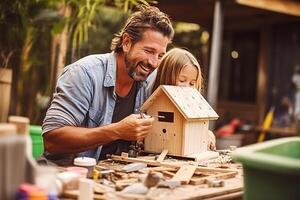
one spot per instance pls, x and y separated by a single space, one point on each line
59 26
107 21
86 11
128 5
27 28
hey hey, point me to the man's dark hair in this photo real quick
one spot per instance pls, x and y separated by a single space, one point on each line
147 17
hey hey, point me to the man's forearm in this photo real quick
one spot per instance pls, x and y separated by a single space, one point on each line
70 139
77 139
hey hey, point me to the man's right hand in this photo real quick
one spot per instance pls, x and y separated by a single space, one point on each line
134 127
69 139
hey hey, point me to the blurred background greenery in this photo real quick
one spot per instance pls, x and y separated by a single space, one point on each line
39 37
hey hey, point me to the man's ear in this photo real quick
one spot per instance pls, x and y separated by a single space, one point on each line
126 42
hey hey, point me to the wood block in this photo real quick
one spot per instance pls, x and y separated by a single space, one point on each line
125 155
207 155
185 173
162 156
198 181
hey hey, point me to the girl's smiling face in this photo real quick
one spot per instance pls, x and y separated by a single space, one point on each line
187 76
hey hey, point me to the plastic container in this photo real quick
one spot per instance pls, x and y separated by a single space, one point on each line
271 169
82 171
37 140
86 162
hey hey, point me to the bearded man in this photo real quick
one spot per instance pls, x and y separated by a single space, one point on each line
97 98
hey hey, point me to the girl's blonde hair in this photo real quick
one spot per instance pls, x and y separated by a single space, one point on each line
172 63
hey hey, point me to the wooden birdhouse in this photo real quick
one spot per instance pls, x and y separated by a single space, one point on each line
183 117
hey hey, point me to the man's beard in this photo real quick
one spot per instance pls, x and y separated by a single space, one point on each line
132 71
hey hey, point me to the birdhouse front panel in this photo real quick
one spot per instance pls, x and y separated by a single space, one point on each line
184 128
167 128
195 137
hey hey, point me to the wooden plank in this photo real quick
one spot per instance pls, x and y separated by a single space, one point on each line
207 155
159 169
233 185
177 157
168 173
234 195
168 164
162 156
199 192
236 190
198 181
286 7
184 174
124 154
74 194
102 189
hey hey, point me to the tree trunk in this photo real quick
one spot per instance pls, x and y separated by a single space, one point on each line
23 98
5 88
59 49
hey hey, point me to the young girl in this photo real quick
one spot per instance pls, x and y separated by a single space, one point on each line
179 67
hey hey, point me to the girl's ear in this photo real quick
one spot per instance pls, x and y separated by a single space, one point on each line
126 42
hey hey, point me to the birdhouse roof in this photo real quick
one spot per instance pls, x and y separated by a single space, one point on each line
187 100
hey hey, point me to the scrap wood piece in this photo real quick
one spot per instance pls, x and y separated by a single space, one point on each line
168 173
199 173
121 184
162 156
124 154
218 193
185 173
122 195
207 155
75 194
202 180
134 167
169 184
159 169
102 189
167 164
147 157
234 195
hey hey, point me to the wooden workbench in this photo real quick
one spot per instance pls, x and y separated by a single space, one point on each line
232 188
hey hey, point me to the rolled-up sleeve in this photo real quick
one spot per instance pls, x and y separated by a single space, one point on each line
71 100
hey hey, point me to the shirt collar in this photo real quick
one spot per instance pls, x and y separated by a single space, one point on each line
110 75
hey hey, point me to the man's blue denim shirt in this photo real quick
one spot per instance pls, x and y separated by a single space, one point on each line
85 96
